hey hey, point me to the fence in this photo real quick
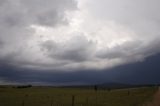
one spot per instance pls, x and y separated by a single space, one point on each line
58 100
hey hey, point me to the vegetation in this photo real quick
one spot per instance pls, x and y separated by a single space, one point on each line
24 86
49 96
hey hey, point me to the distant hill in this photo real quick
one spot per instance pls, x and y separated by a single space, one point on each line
114 85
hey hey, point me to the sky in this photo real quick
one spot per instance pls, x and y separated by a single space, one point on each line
78 41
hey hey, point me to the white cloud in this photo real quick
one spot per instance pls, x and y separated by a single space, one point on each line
99 34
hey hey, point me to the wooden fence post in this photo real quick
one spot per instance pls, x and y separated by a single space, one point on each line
87 100
73 100
51 102
23 103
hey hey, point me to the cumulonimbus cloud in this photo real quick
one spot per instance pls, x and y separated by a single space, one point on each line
77 35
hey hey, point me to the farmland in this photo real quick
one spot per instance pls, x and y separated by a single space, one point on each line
54 96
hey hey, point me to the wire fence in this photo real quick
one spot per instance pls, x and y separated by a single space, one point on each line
130 97
64 100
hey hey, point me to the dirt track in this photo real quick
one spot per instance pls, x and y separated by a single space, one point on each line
156 99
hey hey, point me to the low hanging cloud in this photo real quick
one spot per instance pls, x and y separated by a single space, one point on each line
76 49
77 35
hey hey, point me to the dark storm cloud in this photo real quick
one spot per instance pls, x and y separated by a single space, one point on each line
130 50
138 73
42 34
76 49
74 40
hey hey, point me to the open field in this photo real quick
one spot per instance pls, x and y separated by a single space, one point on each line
155 101
49 96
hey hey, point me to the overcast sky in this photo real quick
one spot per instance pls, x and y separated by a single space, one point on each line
74 35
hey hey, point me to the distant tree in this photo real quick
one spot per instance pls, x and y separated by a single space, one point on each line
95 88
109 89
24 86
29 86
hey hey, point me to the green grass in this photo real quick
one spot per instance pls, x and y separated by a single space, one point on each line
47 96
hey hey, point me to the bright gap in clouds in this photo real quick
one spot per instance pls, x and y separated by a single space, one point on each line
98 34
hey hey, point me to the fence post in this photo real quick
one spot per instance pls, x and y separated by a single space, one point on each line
22 102
51 102
87 101
73 100
128 92
96 99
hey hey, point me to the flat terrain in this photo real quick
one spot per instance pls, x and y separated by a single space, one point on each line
155 101
49 96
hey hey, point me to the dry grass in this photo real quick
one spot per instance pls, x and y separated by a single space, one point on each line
155 101
47 96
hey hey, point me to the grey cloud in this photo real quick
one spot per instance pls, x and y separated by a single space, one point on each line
50 12
144 72
77 49
126 10
79 39
29 12
140 15
131 51
1 44
120 51
150 49
16 18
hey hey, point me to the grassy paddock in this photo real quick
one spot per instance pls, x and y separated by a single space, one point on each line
48 96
